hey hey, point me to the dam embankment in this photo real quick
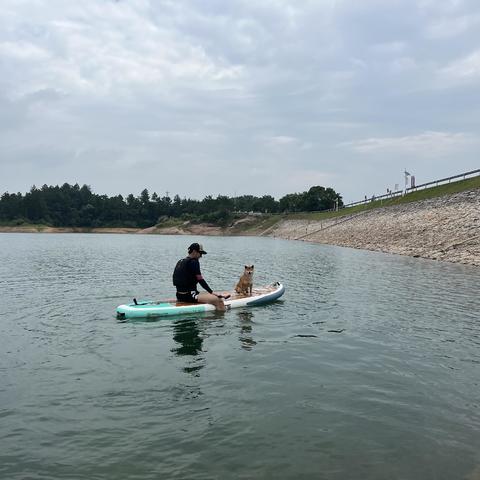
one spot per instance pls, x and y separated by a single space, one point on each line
443 228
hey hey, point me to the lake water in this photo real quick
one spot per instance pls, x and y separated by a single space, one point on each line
368 368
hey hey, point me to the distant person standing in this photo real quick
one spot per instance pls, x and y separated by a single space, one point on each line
186 276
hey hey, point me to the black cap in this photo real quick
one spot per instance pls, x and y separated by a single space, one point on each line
198 247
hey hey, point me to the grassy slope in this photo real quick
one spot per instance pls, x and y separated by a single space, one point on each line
433 192
37 226
257 225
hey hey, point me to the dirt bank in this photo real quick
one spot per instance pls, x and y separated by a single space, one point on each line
443 228
187 229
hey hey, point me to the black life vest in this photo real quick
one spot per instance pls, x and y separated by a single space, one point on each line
183 277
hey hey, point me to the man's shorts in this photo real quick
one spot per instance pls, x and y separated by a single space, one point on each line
188 297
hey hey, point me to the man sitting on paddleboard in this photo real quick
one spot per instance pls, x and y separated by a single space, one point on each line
186 276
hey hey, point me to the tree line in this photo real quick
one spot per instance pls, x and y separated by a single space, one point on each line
75 206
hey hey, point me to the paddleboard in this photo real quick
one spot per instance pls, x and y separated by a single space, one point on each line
151 309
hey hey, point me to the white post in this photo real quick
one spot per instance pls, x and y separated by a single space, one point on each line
406 181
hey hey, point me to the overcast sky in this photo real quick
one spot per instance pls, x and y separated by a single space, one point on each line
208 97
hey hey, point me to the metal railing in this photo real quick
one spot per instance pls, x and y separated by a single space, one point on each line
463 176
399 193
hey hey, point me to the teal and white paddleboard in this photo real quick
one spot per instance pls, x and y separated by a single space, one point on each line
151 309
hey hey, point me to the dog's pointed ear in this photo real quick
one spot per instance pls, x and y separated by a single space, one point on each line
246 266
252 266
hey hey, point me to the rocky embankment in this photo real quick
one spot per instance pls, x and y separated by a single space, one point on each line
443 228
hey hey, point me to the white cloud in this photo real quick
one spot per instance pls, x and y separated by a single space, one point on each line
187 137
444 7
424 144
466 69
389 47
23 51
452 27
280 142
105 48
402 64
302 179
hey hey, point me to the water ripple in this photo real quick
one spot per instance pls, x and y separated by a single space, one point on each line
367 368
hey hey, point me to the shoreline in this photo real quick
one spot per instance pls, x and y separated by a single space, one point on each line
445 228
42 229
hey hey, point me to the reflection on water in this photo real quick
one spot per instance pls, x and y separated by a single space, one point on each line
245 319
186 334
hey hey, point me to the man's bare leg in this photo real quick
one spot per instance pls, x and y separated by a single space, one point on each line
212 300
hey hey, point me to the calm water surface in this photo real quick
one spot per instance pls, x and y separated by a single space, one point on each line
369 368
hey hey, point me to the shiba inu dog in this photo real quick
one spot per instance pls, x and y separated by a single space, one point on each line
245 284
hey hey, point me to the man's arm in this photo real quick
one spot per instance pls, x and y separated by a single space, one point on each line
203 283
195 265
